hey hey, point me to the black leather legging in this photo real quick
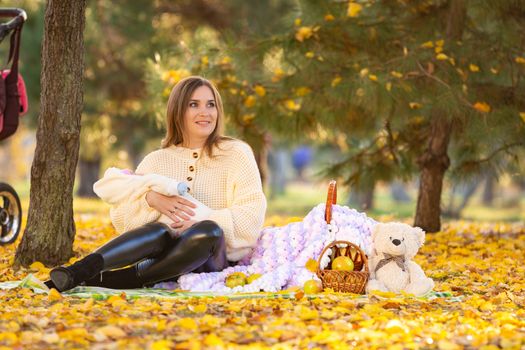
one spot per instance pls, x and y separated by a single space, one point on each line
158 256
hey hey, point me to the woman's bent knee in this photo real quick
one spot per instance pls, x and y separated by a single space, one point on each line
211 228
157 226
203 232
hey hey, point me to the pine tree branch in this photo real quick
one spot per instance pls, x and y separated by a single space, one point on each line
391 141
503 148
433 77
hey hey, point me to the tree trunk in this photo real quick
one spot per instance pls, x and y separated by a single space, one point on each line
261 156
449 209
134 155
433 164
488 191
260 146
363 197
367 202
399 192
50 229
468 191
6 160
88 171
277 161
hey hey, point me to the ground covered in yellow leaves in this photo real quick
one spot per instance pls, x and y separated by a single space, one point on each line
480 263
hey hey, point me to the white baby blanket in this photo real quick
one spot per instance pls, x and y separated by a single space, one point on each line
119 185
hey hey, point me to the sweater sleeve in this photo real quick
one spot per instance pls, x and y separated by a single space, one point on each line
243 219
134 213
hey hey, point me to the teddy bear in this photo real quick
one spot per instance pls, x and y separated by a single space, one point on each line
392 269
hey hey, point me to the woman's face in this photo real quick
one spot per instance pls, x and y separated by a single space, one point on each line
200 117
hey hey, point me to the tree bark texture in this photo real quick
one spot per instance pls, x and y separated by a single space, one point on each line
50 229
434 161
362 197
261 156
88 171
488 190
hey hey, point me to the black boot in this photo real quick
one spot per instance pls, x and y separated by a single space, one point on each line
50 284
125 278
65 278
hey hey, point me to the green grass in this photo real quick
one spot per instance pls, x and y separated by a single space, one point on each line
300 198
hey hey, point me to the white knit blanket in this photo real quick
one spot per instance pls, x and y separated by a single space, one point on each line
281 253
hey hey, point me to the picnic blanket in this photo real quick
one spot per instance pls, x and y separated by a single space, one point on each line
281 253
98 293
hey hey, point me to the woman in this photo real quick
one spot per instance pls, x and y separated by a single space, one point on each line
221 172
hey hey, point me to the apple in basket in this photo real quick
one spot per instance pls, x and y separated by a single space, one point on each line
235 279
343 263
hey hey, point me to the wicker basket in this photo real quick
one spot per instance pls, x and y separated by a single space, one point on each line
342 281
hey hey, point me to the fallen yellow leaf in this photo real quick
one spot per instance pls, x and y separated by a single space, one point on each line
54 295
110 331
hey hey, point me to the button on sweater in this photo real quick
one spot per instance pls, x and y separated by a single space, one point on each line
229 183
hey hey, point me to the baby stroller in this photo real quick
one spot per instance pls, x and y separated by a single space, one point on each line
13 103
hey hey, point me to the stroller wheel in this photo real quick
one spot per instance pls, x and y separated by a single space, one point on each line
10 214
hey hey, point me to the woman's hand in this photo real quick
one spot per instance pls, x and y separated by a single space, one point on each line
176 208
182 226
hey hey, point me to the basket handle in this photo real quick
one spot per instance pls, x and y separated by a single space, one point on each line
330 200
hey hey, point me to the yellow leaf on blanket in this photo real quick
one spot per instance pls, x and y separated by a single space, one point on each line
311 265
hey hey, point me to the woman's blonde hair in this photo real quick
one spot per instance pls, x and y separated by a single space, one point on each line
178 103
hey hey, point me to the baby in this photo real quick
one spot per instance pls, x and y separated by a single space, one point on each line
118 185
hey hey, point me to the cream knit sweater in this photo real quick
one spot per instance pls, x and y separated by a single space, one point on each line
229 183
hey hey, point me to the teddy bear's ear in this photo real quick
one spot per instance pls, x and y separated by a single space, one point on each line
376 230
420 234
